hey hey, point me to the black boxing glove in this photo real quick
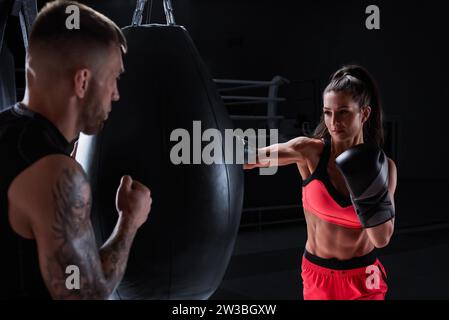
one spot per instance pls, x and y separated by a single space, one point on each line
365 169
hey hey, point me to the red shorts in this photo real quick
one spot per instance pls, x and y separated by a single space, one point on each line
361 283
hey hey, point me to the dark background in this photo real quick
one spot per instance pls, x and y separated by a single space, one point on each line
305 41
256 39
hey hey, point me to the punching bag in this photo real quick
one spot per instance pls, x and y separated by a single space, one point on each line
184 248
7 78
26 10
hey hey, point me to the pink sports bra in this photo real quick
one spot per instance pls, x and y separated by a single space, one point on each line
321 198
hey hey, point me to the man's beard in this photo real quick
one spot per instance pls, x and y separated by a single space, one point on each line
93 117
93 125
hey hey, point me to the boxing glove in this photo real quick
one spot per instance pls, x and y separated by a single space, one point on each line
365 170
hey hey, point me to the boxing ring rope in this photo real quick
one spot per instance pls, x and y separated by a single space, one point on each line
271 99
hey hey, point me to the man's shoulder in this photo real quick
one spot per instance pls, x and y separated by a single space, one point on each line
23 134
5 112
43 175
35 193
392 169
53 165
7 118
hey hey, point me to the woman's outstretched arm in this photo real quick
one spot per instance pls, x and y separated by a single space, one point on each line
293 151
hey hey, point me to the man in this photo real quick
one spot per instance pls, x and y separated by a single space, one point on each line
45 198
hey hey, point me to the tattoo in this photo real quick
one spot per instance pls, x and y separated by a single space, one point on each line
99 270
112 257
76 241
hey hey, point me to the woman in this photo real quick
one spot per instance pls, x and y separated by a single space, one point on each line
344 226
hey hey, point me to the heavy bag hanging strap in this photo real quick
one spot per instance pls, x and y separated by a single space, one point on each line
138 12
169 13
140 7
26 10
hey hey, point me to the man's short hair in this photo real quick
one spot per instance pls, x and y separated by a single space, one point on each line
96 31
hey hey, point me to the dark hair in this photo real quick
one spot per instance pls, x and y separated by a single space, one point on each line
356 81
96 31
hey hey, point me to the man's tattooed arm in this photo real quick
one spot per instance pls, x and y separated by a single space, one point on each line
100 271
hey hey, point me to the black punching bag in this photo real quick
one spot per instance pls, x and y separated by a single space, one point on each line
184 248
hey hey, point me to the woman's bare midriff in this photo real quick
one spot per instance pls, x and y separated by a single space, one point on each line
324 239
328 240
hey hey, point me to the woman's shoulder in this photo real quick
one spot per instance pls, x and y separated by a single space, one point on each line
309 147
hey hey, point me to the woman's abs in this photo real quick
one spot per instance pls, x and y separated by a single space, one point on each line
327 240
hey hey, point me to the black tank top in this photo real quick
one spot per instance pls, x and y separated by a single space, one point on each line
25 137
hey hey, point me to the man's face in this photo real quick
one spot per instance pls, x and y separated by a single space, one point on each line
101 92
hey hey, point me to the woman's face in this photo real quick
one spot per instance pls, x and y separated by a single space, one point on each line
342 115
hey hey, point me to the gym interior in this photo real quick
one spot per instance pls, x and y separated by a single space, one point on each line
267 63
